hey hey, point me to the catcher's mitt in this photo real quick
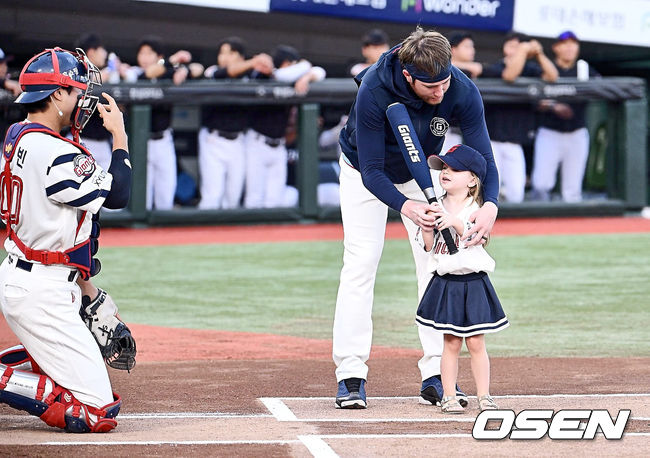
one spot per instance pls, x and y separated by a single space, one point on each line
113 337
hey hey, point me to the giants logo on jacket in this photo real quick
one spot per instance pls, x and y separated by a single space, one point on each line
84 165
439 126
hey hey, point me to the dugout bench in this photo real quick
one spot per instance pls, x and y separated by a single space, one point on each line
617 122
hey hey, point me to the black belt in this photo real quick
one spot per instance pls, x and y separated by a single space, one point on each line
157 135
273 142
225 134
27 266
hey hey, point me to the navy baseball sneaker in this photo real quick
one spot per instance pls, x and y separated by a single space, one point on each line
351 394
431 392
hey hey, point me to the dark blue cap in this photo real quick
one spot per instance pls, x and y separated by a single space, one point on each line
461 157
566 35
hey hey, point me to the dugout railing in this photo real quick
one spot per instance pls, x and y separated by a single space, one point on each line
617 121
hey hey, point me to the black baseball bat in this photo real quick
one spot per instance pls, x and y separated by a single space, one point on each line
409 144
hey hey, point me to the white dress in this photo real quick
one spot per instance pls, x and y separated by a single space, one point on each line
460 298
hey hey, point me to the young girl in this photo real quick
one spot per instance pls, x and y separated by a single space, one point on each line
460 300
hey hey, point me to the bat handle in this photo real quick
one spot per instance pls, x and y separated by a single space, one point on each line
446 233
430 195
449 241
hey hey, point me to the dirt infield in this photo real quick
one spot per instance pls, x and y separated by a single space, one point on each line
281 407
214 393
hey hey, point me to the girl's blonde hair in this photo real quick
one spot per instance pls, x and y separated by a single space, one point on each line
475 192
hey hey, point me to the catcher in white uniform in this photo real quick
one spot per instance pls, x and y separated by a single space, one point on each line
51 190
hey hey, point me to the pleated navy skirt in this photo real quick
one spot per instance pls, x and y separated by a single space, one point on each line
462 305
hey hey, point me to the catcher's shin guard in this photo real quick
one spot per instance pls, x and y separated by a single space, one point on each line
17 357
40 396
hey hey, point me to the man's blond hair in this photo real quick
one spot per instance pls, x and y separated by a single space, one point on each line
428 50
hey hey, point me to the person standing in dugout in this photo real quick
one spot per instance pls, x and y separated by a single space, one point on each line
51 189
161 152
222 138
511 125
562 140
418 73
266 148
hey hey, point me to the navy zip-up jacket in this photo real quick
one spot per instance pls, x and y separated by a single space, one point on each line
368 142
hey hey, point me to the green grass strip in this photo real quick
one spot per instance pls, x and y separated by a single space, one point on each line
577 295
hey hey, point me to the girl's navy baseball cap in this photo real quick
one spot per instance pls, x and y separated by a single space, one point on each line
461 157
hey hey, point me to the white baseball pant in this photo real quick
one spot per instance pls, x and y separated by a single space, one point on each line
42 308
364 225
266 172
553 149
510 162
222 166
328 194
161 172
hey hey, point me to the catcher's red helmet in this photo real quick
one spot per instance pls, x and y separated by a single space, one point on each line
54 68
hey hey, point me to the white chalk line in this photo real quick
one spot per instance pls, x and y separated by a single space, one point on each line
425 436
152 416
317 447
504 396
315 443
454 419
184 415
182 442
282 412
158 416
279 409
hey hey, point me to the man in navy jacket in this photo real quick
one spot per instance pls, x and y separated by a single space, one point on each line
419 74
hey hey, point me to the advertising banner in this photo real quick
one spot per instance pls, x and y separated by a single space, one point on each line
625 22
261 6
463 14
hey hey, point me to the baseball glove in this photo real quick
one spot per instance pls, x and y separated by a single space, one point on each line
113 337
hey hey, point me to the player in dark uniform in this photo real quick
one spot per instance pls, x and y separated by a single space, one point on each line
161 153
266 150
512 125
419 74
222 142
562 139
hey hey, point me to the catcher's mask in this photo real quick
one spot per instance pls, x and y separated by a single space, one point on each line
54 68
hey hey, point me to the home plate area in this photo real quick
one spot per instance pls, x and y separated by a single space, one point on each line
311 426
400 426
407 409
